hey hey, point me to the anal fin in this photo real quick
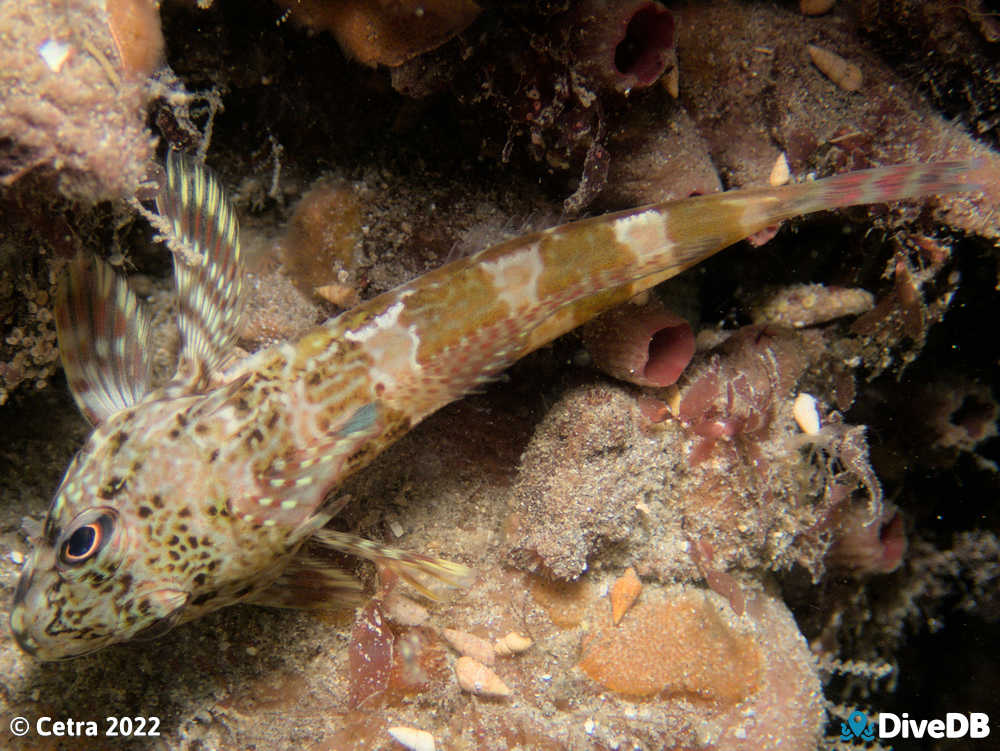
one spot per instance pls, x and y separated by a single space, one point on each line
427 574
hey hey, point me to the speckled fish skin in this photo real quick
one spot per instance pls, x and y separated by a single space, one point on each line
211 490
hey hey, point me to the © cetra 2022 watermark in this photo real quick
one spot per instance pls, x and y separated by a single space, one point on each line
109 727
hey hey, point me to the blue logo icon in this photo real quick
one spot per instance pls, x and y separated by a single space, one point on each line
857 727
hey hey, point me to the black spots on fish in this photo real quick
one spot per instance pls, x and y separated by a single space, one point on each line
212 565
157 501
242 406
145 512
192 542
203 598
256 438
243 591
314 378
213 456
199 579
125 582
182 528
77 616
174 541
144 606
211 510
398 426
113 487
204 555
205 541
359 458
182 420
174 555
152 560
201 428
184 512
116 441
93 576
273 420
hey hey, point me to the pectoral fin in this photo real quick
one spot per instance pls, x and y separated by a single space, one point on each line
311 582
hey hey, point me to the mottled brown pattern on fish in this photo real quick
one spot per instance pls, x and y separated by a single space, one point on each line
217 486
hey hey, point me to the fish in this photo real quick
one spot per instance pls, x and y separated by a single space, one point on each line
216 487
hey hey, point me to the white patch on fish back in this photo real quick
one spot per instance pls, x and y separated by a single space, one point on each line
392 346
643 231
515 278
385 320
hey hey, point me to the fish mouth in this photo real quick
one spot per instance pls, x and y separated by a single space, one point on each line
24 640
17 618
24 583
22 633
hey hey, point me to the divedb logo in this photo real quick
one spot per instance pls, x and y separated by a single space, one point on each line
954 725
890 726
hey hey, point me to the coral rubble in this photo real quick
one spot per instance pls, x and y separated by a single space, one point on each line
75 94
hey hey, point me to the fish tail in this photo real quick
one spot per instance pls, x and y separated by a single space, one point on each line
424 573
696 228
882 185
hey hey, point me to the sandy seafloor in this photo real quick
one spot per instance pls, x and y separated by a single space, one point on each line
766 612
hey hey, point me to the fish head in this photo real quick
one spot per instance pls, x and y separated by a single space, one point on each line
122 548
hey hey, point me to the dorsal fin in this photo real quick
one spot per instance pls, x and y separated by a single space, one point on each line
205 240
103 332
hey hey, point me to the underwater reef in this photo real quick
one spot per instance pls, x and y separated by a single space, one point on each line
723 515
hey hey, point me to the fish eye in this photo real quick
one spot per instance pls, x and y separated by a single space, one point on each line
87 540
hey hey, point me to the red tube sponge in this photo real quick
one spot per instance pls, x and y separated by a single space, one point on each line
643 344
622 44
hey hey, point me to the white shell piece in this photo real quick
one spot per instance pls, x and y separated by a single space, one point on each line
412 738
806 413
54 53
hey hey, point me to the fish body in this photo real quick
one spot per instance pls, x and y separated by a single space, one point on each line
215 488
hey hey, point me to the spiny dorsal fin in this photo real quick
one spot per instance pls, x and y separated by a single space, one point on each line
103 333
205 240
